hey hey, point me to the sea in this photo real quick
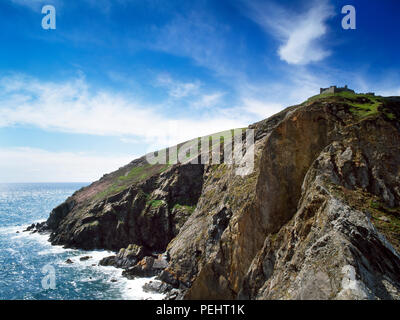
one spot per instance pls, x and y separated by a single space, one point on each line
32 269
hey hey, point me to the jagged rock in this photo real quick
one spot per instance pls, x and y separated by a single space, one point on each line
169 278
143 215
59 213
174 294
147 267
143 269
85 258
69 261
130 256
40 227
108 261
30 228
156 286
317 218
126 257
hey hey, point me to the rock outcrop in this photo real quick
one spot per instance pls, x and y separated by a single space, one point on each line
317 218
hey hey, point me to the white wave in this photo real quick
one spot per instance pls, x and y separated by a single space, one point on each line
54 250
42 238
133 290
130 289
12 229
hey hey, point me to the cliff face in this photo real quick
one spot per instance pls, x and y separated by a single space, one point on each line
318 217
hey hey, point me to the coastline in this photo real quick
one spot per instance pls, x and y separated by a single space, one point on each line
90 272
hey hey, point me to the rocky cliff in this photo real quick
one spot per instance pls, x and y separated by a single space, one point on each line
317 218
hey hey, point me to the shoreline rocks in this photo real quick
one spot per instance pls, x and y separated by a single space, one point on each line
147 267
85 258
157 286
40 227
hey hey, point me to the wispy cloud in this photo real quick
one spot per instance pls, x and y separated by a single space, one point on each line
300 34
72 107
46 166
208 100
178 89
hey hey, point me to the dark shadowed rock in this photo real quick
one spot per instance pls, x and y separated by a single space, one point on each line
108 261
156 286
142 269
167 277
129 256
85 258
148 267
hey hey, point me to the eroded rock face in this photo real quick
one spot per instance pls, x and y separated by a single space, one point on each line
274 199
145 214
330 249
316 219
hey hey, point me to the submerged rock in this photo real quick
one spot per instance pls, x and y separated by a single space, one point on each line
85 258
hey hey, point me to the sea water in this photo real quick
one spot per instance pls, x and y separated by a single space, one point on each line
25 258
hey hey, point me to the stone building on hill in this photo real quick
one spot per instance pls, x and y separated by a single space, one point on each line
335 89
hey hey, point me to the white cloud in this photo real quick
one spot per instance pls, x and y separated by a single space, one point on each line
36 165
178 89
208 100
299 34
72 107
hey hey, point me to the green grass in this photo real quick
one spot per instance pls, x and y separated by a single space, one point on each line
375 204
184 207
114 189
155 203
390 227
390 115
361 109
135 175
344 94
366 109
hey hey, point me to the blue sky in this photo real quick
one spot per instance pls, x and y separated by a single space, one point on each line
120 78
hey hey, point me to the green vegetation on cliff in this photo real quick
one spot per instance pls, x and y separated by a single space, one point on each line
361 105
135 175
